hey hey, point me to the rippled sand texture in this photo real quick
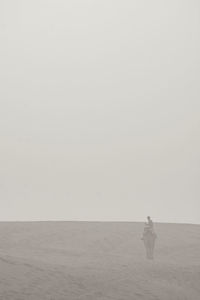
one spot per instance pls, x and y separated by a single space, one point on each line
97 261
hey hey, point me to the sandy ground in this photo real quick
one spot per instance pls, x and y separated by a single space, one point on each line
97 261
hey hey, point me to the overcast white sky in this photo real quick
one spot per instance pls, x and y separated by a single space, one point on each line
100 110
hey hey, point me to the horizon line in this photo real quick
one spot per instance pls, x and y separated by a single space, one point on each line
93 221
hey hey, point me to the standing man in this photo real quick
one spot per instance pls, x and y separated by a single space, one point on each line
149 237
150 223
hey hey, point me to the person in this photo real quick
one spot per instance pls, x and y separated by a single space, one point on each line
150 223
148 227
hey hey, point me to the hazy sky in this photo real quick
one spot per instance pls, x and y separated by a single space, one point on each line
100 110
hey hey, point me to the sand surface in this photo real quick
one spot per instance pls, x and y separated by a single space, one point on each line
97 261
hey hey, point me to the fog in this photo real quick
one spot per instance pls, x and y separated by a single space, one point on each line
100 110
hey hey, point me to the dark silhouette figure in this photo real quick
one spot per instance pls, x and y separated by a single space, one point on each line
149 237
149 222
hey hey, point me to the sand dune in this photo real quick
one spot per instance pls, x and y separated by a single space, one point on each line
97 261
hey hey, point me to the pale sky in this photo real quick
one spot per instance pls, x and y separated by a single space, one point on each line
100 110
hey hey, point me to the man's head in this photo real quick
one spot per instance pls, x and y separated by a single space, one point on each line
148 218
